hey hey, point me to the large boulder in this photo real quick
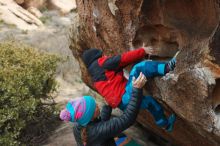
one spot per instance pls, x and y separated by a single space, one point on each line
32 6
32 3
192 91
13 14
64 6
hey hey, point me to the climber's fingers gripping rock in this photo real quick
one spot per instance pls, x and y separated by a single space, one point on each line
149 50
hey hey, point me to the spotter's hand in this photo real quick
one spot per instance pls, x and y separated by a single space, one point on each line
140 81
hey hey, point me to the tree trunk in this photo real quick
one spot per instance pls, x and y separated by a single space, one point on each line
192 91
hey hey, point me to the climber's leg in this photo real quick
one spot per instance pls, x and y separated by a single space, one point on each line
148 68
153 68
150 104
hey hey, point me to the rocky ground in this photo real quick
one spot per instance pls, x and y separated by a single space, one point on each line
53 38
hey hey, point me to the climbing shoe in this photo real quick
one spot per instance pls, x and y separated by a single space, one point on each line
170 65
171 121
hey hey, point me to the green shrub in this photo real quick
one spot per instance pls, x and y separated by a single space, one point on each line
26 79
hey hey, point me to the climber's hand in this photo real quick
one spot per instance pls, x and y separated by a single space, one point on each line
148 50
140 81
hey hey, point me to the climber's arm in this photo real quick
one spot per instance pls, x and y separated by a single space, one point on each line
120 61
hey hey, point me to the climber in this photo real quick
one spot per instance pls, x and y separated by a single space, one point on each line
107 75
90 129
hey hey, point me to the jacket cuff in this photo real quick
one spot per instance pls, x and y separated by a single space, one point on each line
161 69
143 50
137 90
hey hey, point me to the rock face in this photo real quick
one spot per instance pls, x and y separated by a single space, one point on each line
192 91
